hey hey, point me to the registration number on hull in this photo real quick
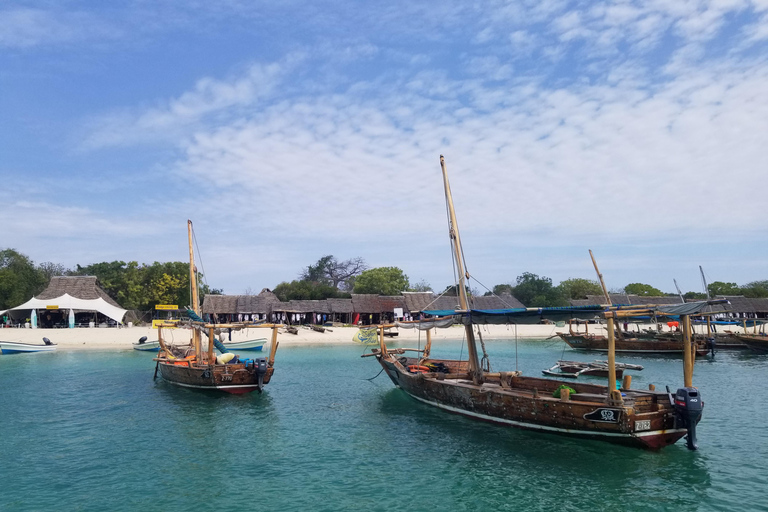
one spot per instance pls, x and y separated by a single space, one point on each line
642 425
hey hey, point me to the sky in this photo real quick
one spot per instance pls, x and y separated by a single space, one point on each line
291 130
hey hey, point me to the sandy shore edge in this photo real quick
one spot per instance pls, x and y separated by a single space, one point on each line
124 338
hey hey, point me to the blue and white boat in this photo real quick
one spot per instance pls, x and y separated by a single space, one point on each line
16 347
254 345
147 346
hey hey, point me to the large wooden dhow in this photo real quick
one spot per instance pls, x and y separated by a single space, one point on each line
645 418
198 367
634 345
757 341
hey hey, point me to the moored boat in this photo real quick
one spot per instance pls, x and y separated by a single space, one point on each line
192 366
754 342
17 347
644 418
573 369
146 346
255 344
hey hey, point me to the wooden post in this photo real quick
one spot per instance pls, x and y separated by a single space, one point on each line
162 342
273 347
687 363
428 347
211 358
611 354
382 345
626 382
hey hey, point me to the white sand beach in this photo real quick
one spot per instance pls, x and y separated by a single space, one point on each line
124 338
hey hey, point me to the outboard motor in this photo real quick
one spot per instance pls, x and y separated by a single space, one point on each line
260 365
688 408
47 341
142 340
711 345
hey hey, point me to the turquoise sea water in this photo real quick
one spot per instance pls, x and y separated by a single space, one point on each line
93 431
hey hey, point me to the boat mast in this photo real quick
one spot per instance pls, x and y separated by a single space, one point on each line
611 333
453 231
600 277
704 280
678 291
195 300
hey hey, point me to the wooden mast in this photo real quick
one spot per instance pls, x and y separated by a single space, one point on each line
612 328
195 301
600 277
453 230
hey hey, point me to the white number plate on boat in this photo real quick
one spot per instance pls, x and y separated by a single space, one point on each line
642 425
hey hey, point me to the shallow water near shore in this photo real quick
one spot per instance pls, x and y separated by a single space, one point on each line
94 431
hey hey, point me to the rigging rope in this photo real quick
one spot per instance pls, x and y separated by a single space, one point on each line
485 363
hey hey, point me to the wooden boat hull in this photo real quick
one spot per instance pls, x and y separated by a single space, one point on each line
755 343
647 419
255 345
231 378
13 347
633 346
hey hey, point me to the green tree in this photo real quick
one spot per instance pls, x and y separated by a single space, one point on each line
578 288
694 295
755 289
643 290
382 281
720 288
306 290
20 280
535 291
501 289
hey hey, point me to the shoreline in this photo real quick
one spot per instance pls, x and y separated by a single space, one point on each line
123 338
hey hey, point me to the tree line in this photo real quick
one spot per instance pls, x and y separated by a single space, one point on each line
132 285
142 286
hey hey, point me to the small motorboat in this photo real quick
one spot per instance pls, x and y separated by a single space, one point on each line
146 346
573 369
256 344
15 347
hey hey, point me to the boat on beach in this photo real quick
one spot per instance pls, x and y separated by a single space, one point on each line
16 347
647 418
193 366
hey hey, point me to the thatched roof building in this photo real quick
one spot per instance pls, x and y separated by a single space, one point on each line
79 287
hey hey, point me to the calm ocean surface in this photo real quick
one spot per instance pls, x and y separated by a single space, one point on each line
93 431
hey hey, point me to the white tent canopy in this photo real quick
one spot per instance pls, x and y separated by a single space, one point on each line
66 301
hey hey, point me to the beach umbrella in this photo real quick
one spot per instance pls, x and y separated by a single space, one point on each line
34 319
71 319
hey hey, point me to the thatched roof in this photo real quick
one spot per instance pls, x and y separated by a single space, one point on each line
625 299
428 301
220 304
80 287
340 306
503 301
420 301
234 304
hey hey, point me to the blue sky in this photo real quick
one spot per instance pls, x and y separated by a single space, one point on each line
291 130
